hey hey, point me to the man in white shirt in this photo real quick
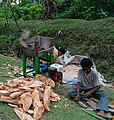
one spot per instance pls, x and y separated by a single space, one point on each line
89 86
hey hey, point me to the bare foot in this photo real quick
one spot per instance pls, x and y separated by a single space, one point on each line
102 114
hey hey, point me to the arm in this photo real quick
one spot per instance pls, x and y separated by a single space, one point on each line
96 85
89 93
78 91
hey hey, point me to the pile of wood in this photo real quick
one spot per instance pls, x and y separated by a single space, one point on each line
30 97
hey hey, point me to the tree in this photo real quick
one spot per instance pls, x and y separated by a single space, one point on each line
49 9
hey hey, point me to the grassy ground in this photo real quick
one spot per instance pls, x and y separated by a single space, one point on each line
66 109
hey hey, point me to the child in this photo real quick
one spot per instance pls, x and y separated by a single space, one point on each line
89 86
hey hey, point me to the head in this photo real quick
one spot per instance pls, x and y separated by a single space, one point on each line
86 65
61 51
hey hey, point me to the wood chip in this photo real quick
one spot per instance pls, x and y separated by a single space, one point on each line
26 101
4 92
46 97
22 115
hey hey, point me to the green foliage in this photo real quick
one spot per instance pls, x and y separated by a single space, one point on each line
4 42
2 15
76 9
83 9
28 12
25 2
62 43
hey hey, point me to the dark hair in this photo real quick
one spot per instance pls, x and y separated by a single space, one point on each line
62 50
86 62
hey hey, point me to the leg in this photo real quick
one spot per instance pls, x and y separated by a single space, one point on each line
102 96
73 92
103 103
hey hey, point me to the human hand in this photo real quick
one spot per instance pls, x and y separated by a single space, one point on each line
87 94
77 97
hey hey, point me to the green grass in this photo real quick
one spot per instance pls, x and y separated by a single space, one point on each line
66 109
4 69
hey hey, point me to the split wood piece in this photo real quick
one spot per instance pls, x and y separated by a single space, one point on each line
46 80
12 105
111 110
30 111
38 111
16 94
36 97
92 104
111 104
94 99
37 104
11 89
26 83
13 83
2 86
82 104
36 84
26 101
8 99
4 92
26 79
26 88
54 96
46 97
22 115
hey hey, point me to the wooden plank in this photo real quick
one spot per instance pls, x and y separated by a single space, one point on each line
111 104
92 104
82 104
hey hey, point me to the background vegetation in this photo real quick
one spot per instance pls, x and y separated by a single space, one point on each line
75 9
94 39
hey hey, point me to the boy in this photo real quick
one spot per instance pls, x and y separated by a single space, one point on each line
88 86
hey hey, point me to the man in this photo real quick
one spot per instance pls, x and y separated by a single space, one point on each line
89 86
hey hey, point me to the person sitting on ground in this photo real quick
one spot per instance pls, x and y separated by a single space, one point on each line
61 53
89 86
